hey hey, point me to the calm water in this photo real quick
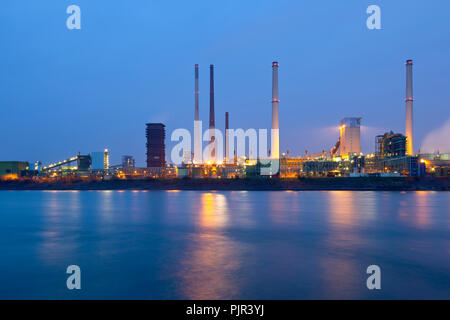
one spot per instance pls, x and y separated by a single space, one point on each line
224 245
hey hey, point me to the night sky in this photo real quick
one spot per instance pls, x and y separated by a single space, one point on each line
64 91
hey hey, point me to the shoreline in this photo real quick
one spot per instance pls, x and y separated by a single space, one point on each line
249 184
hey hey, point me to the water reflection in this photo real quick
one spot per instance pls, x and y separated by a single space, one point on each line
106 206
338 263
61 213
210 266
243 209
225 245
213 211
418 212
284 207
343 210
422 212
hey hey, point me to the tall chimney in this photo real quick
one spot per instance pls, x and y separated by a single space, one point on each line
409 110
197 131
227 137
196 92
275 134
211 111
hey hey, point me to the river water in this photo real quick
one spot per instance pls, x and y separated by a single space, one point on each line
224 245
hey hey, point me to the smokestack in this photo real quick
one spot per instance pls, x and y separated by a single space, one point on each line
227 127
197 131
211 110
409 109
196 92
275 134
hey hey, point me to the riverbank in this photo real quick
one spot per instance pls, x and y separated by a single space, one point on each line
255 184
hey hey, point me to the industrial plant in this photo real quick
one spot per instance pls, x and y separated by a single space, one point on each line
393 156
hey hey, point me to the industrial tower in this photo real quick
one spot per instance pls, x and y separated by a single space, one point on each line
275 134
212 124
409 110
197 129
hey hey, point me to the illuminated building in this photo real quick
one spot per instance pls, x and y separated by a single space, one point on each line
128 162
290 167
83 163
187 157
156 149
350 136
240 161
358 164
232 171
436 164
390 145
182 172
99 160
319 167
38 166
391 157
145 173
404 165
13 169
106 159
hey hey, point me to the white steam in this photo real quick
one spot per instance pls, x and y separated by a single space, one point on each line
438 139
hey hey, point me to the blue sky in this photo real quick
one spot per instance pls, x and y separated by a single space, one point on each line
64 91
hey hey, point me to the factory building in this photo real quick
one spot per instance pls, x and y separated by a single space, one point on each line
350 136
156 149
84 163
128 162
290 167
100 160
146 173
187 157
97 161
391 157
436 164
79 165
106 159
320 168
13 169
405 165
390 145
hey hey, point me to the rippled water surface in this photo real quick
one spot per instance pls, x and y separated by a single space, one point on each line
224 245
